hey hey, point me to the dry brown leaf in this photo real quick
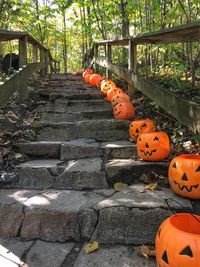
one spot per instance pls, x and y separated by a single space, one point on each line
90 247
147 251
120 186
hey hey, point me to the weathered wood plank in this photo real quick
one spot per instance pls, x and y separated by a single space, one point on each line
187 112
15 82
184 33
109 58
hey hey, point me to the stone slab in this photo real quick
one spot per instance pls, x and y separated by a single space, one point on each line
129 170
54 215
75 174
11 211
36 164
101 130
118 149
12 251
133 215
81 148
51 107
51 215
82 174
46 254
44 149
62 117
136 196
113 256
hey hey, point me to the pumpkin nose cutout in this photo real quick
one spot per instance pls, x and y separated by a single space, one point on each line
184 178
147 146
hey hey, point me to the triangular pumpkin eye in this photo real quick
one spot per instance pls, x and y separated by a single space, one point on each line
144 125
174 165
187 251
137 131
156 138
198 169
140 139
165 258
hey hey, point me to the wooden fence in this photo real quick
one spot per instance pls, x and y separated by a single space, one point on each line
187 112
42 62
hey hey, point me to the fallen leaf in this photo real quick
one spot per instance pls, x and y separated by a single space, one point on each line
18 156
90 247
152 186
147 251
119 186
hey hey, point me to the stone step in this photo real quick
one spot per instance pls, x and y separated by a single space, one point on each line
113 256
51 215
76 116
17 252
133 215
75 174
130 170
74 106
76 149
73 95
41 149
101 130
102 215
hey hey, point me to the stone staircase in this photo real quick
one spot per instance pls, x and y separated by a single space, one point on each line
64 196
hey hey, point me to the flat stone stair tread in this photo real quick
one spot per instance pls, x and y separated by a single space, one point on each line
134 215
37 164
118 149
75 116
102 130
48 149
51 215
76 149
74 174
113 256
130 170
16 252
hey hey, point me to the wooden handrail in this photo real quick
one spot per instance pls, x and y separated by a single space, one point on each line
20 79
187 112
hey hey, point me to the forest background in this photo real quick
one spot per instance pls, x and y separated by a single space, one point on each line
69 29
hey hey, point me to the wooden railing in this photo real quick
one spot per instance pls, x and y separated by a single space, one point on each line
42 62
187 112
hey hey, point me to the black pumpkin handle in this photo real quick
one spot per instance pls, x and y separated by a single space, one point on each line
174 211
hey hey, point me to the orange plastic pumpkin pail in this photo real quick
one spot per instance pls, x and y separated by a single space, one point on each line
178 241
184 175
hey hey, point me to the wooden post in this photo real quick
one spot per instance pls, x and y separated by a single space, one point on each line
42 61
45 61
59 67
109 58
132 62
55 70
23 88
35 53
96 54
22 51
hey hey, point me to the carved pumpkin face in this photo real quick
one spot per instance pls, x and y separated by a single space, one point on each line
113 91
87 78
124 111
138 127
101 79
105 86
87 71
120 98
178 241
154 146
184 175
94 78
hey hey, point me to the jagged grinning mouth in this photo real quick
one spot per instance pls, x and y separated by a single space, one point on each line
148 152
188 189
